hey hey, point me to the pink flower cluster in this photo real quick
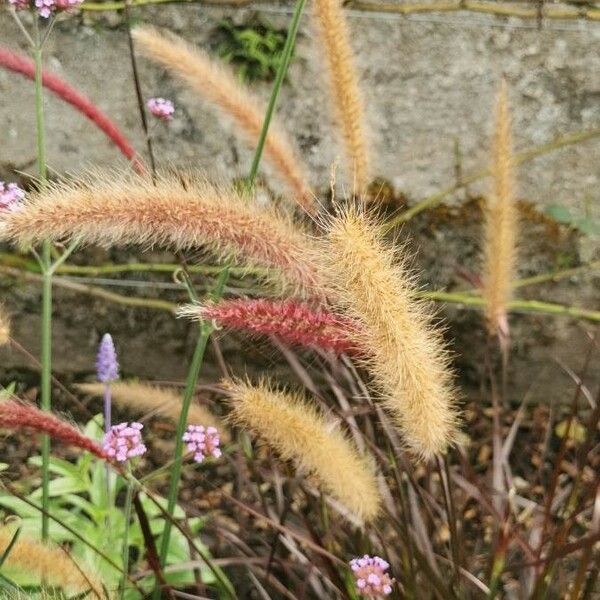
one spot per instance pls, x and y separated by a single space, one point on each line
371 578
161 108
202 441
124 441
11 196
45 8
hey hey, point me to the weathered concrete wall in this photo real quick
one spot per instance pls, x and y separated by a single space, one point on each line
426 85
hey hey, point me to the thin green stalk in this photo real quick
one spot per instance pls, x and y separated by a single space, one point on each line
282 69
190 387
569 139
14 260
45 264
128 504
205 328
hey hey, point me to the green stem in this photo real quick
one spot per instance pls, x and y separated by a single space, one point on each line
46 259
569 139
521 306
205 328
14 260
128 503
190 387
282 69
194 371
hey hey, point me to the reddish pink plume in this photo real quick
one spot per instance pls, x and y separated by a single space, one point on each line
17 415
291 321
19 64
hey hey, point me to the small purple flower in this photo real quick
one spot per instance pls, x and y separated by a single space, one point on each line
107 366
11 196
161 108
202 441
66 4
19 4
124 441
45 8
370 575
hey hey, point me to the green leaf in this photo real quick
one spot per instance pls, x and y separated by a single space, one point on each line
58 466
8 391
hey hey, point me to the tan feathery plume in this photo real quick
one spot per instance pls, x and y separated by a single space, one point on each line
133 209
332 29
406 354
297 431
145 398
50 563
500 224
4 326
219 86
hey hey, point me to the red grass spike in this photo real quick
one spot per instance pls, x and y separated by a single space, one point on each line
291 321
17 415
19 64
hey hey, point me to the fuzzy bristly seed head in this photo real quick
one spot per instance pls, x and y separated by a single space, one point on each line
291 321
49 563
330 22
4 326
146 398
500 225
107 365
297 431
371 578
165 211
202 442
17 416
404 351
218 84
18 63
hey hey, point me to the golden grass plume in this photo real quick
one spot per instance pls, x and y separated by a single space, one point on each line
218 85
145 398
49 563
330 24
4 326
132 209
406 354
500 224
297 431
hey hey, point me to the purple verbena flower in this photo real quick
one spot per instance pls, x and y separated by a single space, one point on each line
161 108
11 196
370 575
66 4
124 441
107 366
202 441
45 8
19 4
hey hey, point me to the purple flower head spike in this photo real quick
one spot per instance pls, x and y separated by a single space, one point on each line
370 575
107 366
202 441
124 441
